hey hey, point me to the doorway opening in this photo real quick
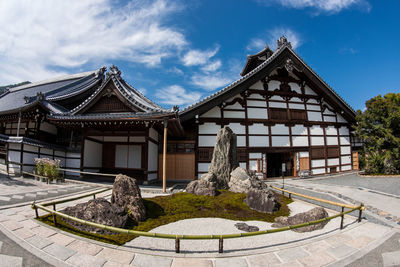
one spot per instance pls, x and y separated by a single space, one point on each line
275 163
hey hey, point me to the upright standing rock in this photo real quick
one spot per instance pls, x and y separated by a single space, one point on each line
224 159
126 194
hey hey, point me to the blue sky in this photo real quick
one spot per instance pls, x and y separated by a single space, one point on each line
177 52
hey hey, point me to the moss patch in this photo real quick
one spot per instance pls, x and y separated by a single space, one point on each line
167 209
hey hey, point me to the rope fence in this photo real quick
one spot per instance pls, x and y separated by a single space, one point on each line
176 237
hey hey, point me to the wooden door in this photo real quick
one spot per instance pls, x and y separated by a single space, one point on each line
180 166
304 164
108 156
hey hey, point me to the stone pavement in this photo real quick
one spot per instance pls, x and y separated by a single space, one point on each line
62 249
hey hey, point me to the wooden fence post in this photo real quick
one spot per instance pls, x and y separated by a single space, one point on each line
360 212
177 244
221 244
341 221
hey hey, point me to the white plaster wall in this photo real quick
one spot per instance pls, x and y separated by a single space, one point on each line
73 163
257 96
241 141
309 91
242 165
318 171
316 130
153 134
14 156
304 154
280 141
295 99
234 106
234 114
203 167
152 161
215 112
255 155
346 168
299 140
258 141
334 161
345 150
48 152
253 165
48 128
345 140
344 131
137 139
317 141
328 112
340 118
330 130
207 140
317 163
258 85
257 113
331 141
237 128
29 158
14 146
313 107
314 116
59 153
209 128
258 128
273 84
277 104
296 106
115 138
135 156
31 148
277 98
295 87
256 103
346 159
299 130
329 119
279 129
92 154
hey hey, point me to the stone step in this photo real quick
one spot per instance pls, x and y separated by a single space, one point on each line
391 258
6 260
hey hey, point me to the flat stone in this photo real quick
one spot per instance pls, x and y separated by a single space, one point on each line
1 244
151 261
62 239
44 231
317 259
24 233
120 256
29 224
12 225
17 196
59 251
341 251
231 262
360 242
338 240
42 193
184 262
263 260
17 218
6 260
85 247
53 191
292 254
317 246
85 260
3 198
115 264
4 218
39 241
391 258
30 195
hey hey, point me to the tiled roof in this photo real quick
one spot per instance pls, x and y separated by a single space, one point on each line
111 116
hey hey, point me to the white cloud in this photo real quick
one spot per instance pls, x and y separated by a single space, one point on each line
39 36
330 6
256 44
291 35
210 82
213 66
198 57
177 95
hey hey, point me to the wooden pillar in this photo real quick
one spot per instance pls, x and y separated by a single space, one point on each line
165 155
19 123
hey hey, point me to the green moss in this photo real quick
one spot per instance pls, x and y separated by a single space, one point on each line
167 209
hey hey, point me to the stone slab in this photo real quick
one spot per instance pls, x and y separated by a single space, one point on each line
85 247
263 260
62 239
292 254
184 262
6 260
44 231
17 197
359 242
11 225
341 251
391 258
42 193
317 246
144 260
59 251
39 241
29 224
30 195
120 256
24 233
317 259
85 260
231 262
115 264
3 198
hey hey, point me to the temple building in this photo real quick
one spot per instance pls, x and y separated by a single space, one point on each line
286 118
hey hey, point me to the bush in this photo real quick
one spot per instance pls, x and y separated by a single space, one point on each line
47 167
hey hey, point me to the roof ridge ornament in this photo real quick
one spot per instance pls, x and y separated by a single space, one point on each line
114 70
283 42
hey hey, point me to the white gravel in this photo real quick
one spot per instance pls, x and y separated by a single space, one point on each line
236 246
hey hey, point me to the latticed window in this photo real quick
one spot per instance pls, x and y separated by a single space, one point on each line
298 114
278 114
317 153
241 155
205 154
333 152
